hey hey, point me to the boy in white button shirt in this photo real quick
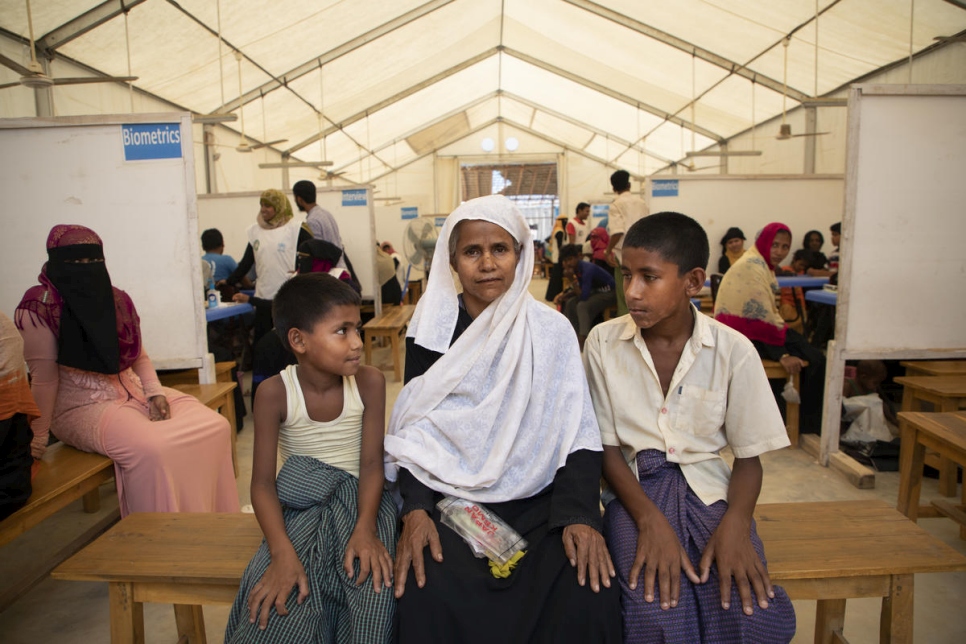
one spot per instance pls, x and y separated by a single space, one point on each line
671 388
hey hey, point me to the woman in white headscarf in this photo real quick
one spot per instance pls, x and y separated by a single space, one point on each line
496 410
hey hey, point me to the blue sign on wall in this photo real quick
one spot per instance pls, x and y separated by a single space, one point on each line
440 221
599 210
151 141
354 198
409 212
664 188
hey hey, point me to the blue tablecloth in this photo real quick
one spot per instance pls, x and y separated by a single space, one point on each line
822 297
797 280
227 310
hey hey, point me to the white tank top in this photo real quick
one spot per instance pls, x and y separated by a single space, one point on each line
275 251
337 442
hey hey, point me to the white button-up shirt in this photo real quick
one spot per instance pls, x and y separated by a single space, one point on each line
719 396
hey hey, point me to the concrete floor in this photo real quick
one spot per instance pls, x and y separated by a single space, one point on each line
77 612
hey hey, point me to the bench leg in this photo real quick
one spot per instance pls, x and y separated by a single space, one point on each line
92 501
191 623
911 456
829 619
792 411
127 615
895 622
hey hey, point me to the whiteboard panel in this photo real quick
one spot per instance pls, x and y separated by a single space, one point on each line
233 213
72 171
750 202
904 286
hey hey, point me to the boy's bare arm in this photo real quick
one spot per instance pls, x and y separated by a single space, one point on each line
364 542
659 552
730 545
285 570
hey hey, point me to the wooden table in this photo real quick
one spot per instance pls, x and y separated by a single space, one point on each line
218 397
934 367
947 394
943 433
185 559
836 550
391 324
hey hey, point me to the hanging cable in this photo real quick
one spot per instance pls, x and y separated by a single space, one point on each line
127 41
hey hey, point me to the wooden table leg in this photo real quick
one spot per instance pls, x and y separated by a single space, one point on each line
911 455
947 468
895 622
829 619
92 501
396 357
368 346
191 624
127 616
792 412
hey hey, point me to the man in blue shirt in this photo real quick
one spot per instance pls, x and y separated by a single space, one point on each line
590 292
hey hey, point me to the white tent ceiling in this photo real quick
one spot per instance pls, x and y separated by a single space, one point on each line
623 81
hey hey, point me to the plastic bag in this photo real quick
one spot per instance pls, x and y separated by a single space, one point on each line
487 534
868 420
790 394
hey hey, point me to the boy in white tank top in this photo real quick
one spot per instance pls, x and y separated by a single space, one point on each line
328 522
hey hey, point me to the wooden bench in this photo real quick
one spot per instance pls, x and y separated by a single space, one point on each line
391 324
945 394
934 367
64 475
946 435
775 371
821 551
223 373
837 550
218 397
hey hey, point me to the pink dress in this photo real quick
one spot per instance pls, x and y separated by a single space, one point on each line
182 464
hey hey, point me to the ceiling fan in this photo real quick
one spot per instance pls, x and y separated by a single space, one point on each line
34 77
785 131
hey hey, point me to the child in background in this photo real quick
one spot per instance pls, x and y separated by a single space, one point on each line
672 388
327 507
213 244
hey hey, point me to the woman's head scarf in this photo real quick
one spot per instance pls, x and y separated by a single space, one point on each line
283 209
766 238
486 422
96 325
733 233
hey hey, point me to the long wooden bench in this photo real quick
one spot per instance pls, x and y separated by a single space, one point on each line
391 324
829 552
64 475
172 378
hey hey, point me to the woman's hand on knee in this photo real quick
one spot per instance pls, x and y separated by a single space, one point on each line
158 408
587 552
418 531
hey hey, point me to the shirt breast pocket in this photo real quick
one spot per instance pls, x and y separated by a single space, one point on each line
700 412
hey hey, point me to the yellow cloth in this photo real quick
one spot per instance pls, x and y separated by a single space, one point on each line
502 572
734 257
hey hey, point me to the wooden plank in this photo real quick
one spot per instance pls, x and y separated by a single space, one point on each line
946 386
127 616
187 593
857 474
198 548
895 622
190 620
840 588
950 510
934 367
829 619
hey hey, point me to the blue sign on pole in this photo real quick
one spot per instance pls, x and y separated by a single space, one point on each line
151 141
664 188
409 212
354 197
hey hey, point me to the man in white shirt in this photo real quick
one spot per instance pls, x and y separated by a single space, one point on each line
624 211
578 228
321 222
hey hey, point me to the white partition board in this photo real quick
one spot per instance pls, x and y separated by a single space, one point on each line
902 282
72 170
233 213
802 202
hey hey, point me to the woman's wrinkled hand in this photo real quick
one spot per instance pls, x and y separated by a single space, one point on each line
418 531
587 552
158 408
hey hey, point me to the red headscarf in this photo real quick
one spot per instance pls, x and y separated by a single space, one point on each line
766 238
74 311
